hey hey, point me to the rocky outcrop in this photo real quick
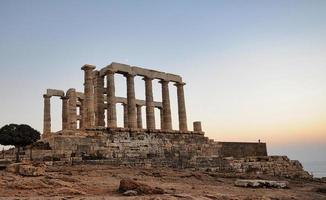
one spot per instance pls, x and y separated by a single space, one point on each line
269 165
26 169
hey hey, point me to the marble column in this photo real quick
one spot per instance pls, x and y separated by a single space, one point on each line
150 114
161 116
99 97
181 107
139 117
125 115
167 121
81 113
47 115
111 107
72 109
131 101
65 112
89 96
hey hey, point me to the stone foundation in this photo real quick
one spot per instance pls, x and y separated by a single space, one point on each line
162 149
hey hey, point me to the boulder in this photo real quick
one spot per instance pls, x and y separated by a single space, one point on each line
26 169
261 183
130 193
140 188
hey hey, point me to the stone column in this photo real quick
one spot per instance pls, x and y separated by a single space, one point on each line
197 126
72 109
167 121
65 124
111 107
99 97
131 101
139 117
89 96
125 115
161 116
82 114
150 115
181 107
47 115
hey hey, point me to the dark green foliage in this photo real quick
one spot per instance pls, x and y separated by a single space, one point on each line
18 135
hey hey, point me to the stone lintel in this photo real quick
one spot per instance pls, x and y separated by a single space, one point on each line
54 92
134 70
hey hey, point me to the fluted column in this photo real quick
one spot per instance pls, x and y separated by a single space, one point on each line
167 121
150 115
99 97
181 107
89 96
125 115
161 116
82 114
72 109
139 117
131 101
111 107
65 124
47 115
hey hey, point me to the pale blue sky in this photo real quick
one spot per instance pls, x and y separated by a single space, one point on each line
254 69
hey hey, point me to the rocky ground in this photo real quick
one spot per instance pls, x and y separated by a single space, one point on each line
102 182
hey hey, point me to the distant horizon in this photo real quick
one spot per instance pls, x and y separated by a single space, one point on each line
253 70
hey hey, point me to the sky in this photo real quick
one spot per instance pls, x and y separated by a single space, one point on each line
253 69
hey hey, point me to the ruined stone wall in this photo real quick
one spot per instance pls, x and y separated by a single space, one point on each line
168 147
164 149
256 165
241 149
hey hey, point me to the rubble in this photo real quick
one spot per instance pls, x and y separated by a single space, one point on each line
261 184
140 188
26 169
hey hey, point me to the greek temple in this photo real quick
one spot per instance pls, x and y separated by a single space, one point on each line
87 110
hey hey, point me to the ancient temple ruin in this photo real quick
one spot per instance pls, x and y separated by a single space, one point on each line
90 134
89 123
86 110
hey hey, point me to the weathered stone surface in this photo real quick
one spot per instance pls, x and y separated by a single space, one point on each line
53 92
26 169
29 170
130 193
261 183
13 168
140 188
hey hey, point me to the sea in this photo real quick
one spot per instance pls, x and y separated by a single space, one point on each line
316 168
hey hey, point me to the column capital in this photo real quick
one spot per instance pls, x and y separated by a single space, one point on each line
163 81
46 96
110 72
129 75
179 84
88 67
147 78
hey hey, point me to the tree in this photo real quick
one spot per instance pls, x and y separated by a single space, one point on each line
18 136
